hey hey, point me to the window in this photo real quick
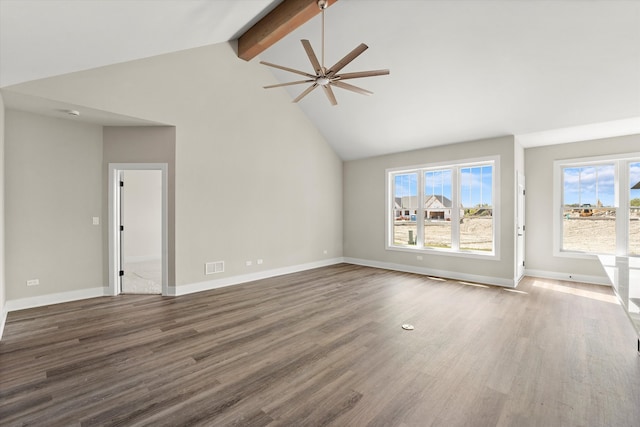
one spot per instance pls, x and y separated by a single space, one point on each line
589 213
437 208
447 208
405 205
599 206
476 190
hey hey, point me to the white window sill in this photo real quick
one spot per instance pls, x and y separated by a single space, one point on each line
446 252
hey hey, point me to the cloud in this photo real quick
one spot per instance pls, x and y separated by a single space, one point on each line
406 185
589 184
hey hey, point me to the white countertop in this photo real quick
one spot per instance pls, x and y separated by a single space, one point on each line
624 274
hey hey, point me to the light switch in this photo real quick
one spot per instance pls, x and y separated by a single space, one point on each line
96 220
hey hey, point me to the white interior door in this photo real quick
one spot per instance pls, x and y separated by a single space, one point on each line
520 228
141 231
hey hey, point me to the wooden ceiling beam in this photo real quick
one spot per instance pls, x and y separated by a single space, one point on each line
285 18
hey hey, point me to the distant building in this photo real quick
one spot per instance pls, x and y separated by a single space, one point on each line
436 207
405 208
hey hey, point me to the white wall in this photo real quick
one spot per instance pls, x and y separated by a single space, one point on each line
254 178
142 215
53 189
364 211
539 166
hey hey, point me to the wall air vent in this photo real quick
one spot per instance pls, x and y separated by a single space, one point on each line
214 267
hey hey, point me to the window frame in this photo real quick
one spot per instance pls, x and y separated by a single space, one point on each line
621 202
455 166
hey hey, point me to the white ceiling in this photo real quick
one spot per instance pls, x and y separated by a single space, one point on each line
44 38
545 71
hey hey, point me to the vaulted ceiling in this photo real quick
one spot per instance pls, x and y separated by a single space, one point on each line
545 71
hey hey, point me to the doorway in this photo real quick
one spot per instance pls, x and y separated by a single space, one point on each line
138 228
141 231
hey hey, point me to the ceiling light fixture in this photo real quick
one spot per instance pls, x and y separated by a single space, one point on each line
326 78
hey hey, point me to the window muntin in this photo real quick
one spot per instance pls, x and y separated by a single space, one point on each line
442 225
589 212
634 208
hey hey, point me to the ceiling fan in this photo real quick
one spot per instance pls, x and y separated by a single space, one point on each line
327 77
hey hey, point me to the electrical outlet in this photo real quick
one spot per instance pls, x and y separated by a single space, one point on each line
33 282
96 220
325 252
259 261
249 263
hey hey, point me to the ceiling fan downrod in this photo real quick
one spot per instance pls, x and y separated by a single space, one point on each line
323 4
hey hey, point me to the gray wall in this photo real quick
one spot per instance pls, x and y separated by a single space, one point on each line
364 208
53 189
2 228
142 144
254 177
539 166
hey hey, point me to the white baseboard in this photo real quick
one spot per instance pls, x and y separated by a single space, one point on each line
57 298
42 300
570 277
39 301
243 278
497 281
3 320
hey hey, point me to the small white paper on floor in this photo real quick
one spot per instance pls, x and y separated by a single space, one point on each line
407 327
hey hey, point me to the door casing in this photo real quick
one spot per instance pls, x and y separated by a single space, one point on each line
114 222
520 226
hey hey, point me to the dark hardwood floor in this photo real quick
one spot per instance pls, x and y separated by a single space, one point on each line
325 347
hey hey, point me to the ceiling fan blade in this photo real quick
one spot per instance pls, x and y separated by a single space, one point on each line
288 84
306 92
359 74
291 70
312 56
330 95
348 58
352 88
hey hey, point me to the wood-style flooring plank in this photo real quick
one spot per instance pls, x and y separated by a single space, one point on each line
325 347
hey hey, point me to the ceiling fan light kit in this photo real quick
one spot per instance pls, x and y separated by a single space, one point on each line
326 78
